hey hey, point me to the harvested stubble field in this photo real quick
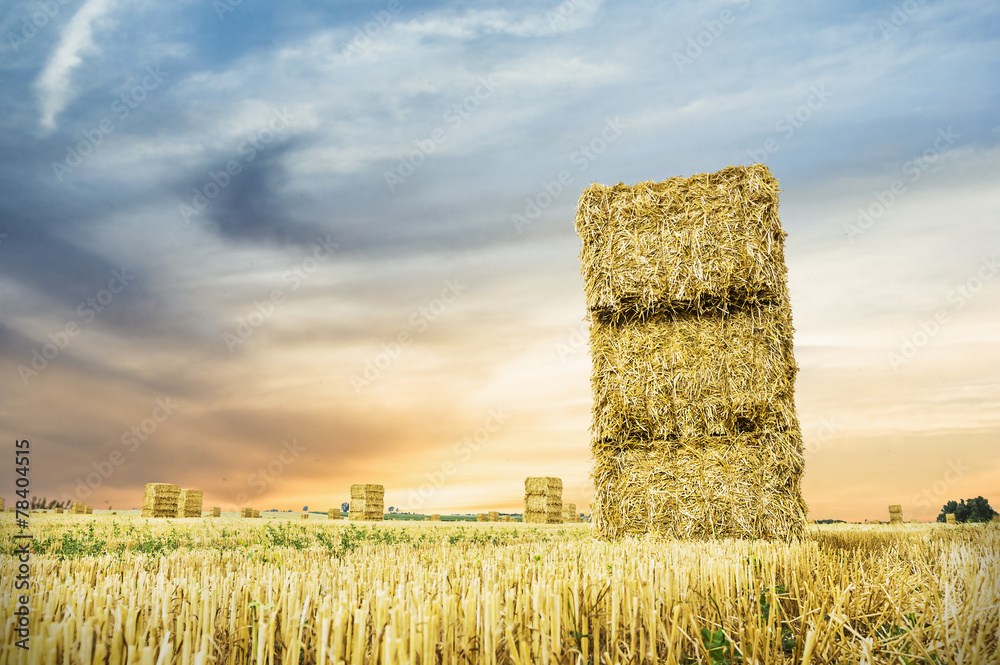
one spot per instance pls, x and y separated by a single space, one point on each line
197 591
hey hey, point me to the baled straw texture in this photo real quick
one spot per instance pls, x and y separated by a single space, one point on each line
333 514
685 490
494 516
435 517
675 375
694 431
160 500
367 502
216 511
482 517
707 242
543 500
189 503
949 518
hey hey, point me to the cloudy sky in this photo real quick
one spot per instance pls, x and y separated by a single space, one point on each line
271 249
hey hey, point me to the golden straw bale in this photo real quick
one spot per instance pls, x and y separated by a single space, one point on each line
672 375
710 240
699 489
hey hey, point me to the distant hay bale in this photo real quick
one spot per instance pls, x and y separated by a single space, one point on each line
949 518
305 516
570 516
1 502
505 518
543 500
367 503
694 431
482 517
246 512
189 503
160 500
256 513
58 509
216 511
435 517
895 514
90 510
333 514
494 516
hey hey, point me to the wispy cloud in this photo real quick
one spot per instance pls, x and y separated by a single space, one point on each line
55 85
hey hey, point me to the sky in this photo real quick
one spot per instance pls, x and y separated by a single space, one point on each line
269 250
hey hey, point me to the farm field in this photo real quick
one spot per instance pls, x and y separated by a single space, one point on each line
117 589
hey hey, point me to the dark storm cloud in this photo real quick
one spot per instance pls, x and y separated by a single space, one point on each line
249 201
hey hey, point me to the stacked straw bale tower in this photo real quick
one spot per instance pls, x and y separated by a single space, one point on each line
367 503
694 431
570 516
216 511
949 518
333 514
543 500
895 514
494 515
158 500
482 517
246 512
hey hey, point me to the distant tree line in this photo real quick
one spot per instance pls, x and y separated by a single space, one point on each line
971 510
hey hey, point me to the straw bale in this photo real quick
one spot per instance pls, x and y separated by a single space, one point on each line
216 511
949 518
305 516
246 512
482 517
256 513
675 375
90 510
747 485
543 500
367 502
160 500
333 514
189 503
494 516
570 516
435 517
895 514
542 485
58 510
1 503
707 241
